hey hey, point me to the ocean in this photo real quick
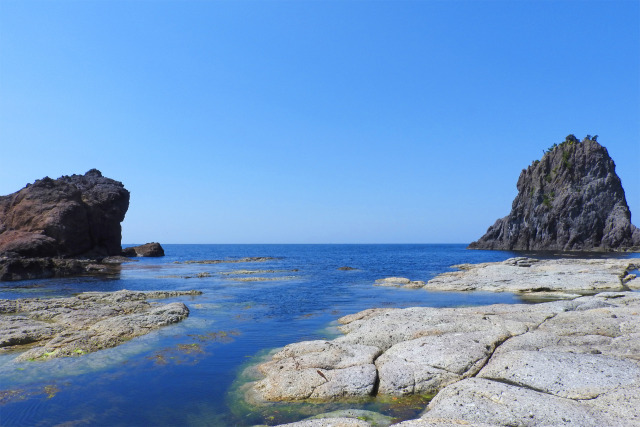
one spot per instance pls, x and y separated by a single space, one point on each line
190 374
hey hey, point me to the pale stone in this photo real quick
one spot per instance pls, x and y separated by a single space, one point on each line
427 364
570 375
556 275
478 400
318 369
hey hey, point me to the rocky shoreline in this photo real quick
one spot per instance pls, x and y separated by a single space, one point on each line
532 277
87 322
567 362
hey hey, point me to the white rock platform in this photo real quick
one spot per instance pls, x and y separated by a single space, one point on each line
567 362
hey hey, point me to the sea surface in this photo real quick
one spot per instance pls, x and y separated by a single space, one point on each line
190 374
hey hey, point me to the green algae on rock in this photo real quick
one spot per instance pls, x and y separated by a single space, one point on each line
88 322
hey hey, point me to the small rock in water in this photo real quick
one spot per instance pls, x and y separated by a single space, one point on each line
152 249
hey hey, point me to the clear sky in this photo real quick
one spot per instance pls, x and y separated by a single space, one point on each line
314 121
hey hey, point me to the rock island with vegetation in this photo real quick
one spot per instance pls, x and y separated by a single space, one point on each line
570 200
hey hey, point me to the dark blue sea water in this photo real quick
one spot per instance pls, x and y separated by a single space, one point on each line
188 374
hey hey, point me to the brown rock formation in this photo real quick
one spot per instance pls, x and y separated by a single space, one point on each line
77 215
152 249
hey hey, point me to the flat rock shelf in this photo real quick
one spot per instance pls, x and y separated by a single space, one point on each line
531 276
90 321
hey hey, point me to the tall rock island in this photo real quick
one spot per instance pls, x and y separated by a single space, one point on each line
570 200
77 215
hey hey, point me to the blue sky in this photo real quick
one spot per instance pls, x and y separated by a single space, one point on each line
314 121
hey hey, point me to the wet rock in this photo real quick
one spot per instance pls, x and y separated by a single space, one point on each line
400 282
13 268
262 279
374 419
85 323
228 261
117 259
20 330
570 200
329 422
152 249
346 268
440 422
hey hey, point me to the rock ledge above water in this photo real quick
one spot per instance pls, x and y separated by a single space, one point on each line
90 321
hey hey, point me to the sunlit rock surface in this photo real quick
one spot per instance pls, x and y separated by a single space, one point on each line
570 200
568 362
530 275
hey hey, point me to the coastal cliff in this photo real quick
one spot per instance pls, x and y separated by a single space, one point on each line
61 227
65 217
570 200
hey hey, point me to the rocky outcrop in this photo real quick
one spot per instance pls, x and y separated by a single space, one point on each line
90 321
532 276
77 215
566 362
570 200
16 268
152 249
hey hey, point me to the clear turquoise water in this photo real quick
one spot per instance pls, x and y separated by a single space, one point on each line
187 374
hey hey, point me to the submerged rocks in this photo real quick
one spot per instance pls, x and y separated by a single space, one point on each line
152 249
85 323
476 400
400 282
560 363
570 200
228 261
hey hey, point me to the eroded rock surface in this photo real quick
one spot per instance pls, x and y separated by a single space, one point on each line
570 200
84 323
569 362
50 221
69 216
318 369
